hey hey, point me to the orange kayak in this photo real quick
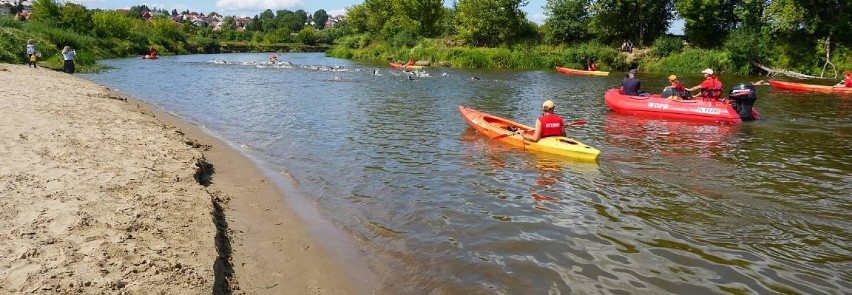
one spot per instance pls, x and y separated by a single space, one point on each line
581 72
394 65
808 87
505 131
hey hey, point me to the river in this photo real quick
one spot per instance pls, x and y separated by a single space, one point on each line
430 206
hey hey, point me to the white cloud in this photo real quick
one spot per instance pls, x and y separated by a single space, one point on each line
336 12
538 18
242 5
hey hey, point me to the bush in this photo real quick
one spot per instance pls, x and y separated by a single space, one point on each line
666 45
307 36
691 60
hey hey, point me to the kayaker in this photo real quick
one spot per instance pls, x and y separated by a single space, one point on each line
152 52
630 85
846 82
676 90
592 66
411 61
549 124
711 87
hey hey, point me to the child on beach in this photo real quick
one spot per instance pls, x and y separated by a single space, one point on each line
31 53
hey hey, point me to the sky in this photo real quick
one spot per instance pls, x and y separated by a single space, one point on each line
534 9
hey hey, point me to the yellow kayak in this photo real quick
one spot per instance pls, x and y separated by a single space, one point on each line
500 129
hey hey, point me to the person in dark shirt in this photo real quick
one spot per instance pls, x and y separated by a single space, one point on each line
631 85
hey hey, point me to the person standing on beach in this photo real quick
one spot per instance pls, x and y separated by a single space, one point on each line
68 55
31 53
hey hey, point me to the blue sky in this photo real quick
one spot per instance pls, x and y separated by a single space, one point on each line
534 10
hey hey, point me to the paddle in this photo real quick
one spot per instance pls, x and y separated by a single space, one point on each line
575 123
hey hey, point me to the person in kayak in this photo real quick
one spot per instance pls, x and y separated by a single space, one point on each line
631 86
549 124
711 87
411 61
846 82
676 90
592 66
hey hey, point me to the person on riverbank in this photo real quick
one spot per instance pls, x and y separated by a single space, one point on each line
711 87
31 53
549 124
632 86
847 82
676 90
68 55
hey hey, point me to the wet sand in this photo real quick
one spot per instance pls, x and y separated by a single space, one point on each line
100 193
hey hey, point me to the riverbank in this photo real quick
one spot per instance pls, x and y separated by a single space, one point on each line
102 193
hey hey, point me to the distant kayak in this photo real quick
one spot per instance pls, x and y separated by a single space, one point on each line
808 87
581 72
150 56
504 131
394 65
656 106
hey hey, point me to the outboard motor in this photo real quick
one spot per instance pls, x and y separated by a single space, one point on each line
742 98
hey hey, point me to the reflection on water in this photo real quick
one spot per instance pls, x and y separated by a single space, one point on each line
669 207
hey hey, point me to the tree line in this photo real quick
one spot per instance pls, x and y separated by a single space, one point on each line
99 33
730 35
786 33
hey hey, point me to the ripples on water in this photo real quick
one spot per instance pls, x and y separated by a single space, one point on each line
670 207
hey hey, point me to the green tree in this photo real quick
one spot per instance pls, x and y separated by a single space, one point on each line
427 13
76 17
707 22
639 20
293 21
302 16
111 24
320 17
567 20
47 11
489 22
307 36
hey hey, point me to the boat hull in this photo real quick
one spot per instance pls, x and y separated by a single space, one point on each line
656 106
394 65
497 128
809 87
581 72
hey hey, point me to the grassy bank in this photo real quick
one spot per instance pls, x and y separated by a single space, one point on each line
439 53
667 56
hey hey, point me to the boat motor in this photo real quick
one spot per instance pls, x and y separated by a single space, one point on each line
742 99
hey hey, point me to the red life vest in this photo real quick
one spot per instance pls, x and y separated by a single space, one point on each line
551 125
711 88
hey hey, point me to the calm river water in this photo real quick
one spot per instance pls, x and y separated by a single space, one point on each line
432 207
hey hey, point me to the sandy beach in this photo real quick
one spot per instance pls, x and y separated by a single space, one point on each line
102 194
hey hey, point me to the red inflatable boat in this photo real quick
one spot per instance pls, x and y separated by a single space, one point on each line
694 109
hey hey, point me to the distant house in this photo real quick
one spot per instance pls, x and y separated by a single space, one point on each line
242 22
7 5
333 20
